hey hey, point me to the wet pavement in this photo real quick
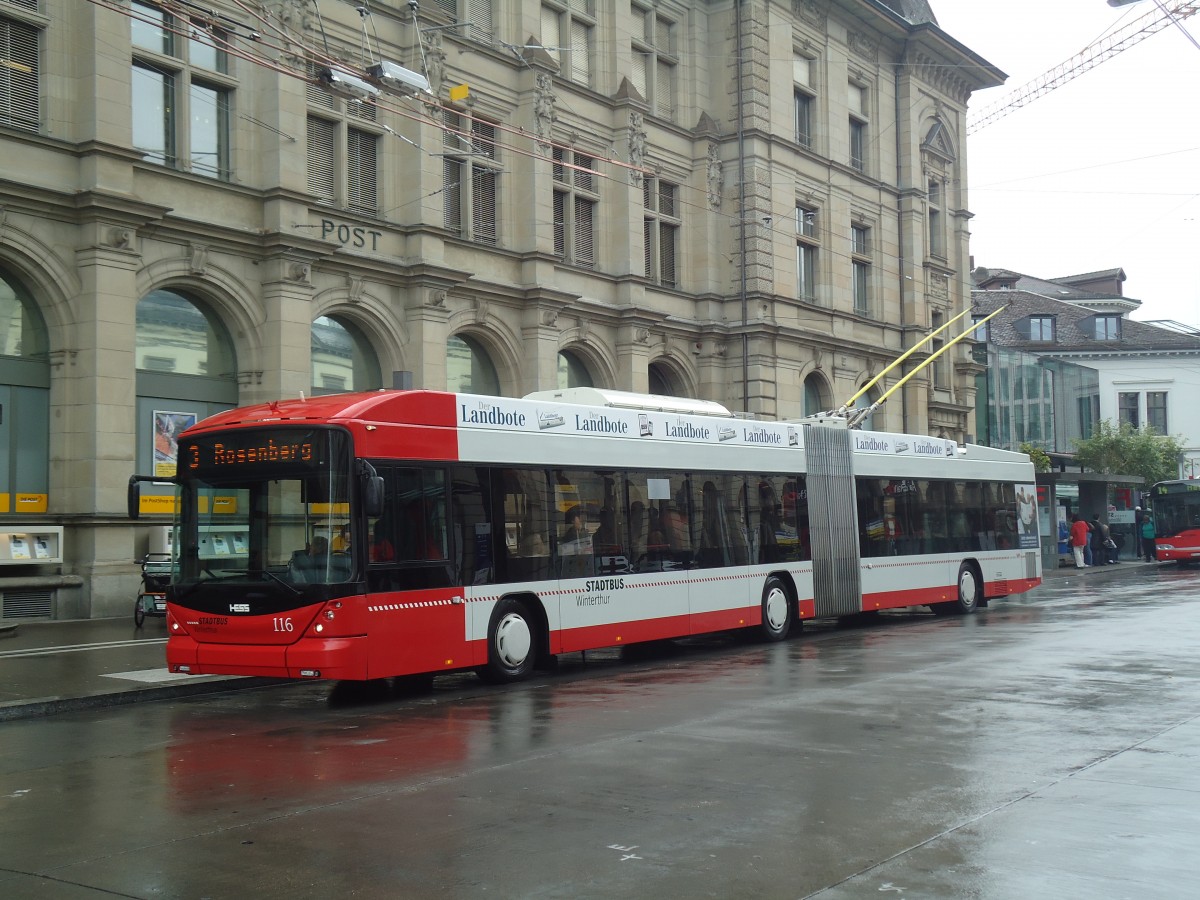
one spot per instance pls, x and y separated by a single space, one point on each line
54 667
1046 747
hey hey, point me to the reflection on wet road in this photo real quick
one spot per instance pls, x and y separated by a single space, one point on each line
1045 747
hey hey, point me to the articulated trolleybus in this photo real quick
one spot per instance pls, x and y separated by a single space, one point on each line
369 535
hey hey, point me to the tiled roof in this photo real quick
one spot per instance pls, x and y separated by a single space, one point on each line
917 12
1072 334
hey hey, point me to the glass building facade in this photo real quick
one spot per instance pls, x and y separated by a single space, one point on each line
1023 398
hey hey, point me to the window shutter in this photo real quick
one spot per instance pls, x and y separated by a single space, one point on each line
19 106
479 14
560 172
560 224
664 90
483 207
666 254
585 181
666 198
648 246
316 94
581 64
361 171
551 36
584 247
322 158
483 139
641 65
452 194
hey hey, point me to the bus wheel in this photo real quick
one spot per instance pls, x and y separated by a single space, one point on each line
776 611
969 594
511 653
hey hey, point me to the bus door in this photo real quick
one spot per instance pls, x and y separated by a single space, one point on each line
833 521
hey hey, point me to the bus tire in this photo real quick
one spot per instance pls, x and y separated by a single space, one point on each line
512 643
777 612
970 594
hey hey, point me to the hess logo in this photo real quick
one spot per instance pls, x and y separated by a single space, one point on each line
239 607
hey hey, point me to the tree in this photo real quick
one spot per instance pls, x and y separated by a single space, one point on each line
1039 457
1126 450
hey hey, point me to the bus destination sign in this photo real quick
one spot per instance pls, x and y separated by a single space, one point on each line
251 450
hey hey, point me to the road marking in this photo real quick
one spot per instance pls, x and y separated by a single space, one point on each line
79 648
150 676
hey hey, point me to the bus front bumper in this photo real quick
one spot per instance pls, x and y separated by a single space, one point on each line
342 658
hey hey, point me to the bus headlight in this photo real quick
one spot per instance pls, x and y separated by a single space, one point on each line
1166 546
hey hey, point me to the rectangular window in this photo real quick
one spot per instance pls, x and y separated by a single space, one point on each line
471 182
981 332
1108 328
1127 409
181 119
575 206
655 62
1041 328
206 50
19 89
153 105
1156 410
860 269
567 27
806 253
938 366
803 99
208 135
858 127
937 228
660 231
150 28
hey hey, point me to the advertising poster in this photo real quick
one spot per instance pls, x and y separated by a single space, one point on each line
167 428
1027 521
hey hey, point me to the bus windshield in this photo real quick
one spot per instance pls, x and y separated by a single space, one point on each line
266 505
1176 507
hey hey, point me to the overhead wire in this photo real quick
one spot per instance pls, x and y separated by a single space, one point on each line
283 41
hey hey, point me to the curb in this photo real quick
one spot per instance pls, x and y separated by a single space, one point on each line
49 706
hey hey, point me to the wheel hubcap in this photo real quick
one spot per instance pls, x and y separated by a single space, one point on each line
513 640
775 609
967 589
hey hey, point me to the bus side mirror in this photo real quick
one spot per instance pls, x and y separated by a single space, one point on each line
133 498
373 496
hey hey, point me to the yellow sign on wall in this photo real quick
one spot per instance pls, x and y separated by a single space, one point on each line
24 503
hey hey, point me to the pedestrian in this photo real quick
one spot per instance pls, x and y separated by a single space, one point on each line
1100 541
1079 540
1148 537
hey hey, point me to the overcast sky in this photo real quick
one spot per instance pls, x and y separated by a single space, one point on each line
1103 172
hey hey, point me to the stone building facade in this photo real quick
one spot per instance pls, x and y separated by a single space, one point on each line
205 205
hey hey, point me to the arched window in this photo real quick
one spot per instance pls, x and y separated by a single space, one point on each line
572 372
342 358
662 381
175 335
186 371
469 369
815 396
24 401
867 424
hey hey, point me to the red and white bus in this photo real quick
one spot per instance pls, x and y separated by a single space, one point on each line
1176 507
368 535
